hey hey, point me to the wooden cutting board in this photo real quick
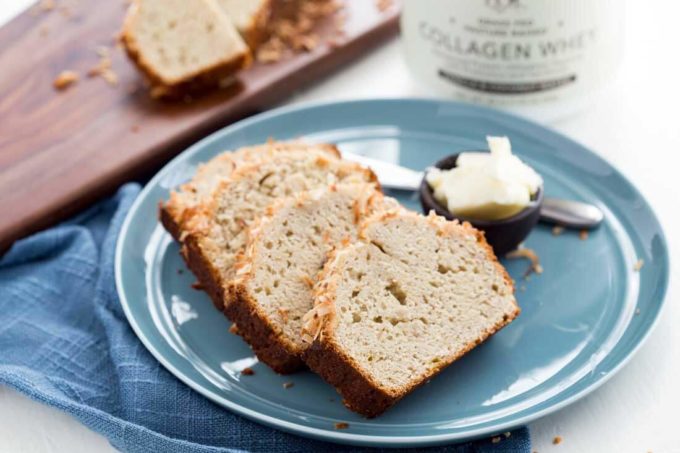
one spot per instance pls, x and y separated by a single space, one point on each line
62 150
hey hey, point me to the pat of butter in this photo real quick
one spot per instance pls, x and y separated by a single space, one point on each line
486 186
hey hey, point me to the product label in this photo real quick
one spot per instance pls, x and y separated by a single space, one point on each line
512 51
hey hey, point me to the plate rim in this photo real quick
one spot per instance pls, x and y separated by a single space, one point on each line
379 439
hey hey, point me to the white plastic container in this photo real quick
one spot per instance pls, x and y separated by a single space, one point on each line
540 58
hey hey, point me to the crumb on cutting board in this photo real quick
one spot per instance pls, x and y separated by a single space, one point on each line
296 34
383 5
65 79
103 68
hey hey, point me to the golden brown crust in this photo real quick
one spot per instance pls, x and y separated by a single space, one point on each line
163 88
258 332
359 393
200 265
169 220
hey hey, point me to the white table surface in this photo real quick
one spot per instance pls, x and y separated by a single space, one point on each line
636 126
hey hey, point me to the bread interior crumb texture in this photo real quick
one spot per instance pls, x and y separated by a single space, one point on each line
411 299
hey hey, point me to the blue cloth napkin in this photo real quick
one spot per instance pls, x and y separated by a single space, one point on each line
64 341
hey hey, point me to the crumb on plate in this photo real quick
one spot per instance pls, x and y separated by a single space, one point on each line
341 425
557 440
247 371
557 230
638 265
287 385
583 235
529 254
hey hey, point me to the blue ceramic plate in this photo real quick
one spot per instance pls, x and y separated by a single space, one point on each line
581 319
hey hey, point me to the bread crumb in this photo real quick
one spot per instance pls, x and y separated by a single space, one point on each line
271 51
103 64
638 265
247 371
287 385
383 5
495 440
65 79
305 42
507 434
233 329
295 34
103 68
557 440
341 425
557 230
526 253
197 286
583 235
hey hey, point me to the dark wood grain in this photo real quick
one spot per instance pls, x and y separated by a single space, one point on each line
62 150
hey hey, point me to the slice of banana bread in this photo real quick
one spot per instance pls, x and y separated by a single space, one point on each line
183 44
397 307
188 198
217 232
285 251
